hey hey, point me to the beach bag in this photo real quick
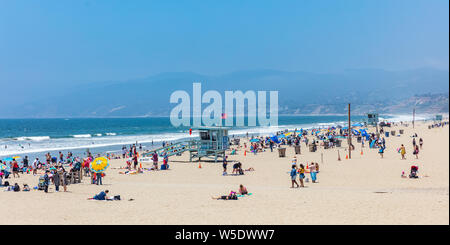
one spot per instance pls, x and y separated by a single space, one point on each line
117 197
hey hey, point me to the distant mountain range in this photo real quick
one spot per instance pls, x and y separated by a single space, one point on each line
299 93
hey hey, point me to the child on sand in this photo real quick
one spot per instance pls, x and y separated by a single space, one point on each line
403 152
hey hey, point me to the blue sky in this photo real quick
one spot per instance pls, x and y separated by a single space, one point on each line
50 42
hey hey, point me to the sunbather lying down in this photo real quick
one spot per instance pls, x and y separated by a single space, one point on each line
250 169
231 196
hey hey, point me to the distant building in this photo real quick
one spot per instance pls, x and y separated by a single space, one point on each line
438 118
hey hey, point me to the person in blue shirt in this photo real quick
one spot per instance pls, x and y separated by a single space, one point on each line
294 176
101 196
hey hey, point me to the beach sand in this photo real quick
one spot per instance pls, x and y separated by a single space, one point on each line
361 190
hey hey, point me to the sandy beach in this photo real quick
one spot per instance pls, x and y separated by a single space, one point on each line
363 190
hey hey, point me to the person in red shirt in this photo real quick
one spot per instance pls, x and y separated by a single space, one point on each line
15 167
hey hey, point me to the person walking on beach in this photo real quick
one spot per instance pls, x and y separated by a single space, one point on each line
381 151
414 143
416 151
420 142
301 174
294 176
403 152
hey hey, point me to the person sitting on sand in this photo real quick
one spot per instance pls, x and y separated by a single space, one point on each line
420 142
26 187
242 190
250 169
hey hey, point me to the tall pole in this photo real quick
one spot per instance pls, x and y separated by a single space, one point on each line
349 134
414 115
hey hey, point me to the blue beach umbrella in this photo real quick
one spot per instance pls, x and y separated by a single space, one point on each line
254 140
8 159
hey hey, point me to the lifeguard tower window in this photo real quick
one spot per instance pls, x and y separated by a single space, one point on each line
214 136
204 136
369 116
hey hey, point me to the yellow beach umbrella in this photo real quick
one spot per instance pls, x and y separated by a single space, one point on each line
288 133
16 157
100 164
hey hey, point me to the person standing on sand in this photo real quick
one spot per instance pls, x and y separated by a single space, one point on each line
313 172
225 165
56 180
420 142
293 176
416 151
155 160
15 168
414 143
46 181
403 152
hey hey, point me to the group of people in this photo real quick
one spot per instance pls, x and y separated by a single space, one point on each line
301 170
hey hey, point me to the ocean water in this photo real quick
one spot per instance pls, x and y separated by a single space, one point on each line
35 137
